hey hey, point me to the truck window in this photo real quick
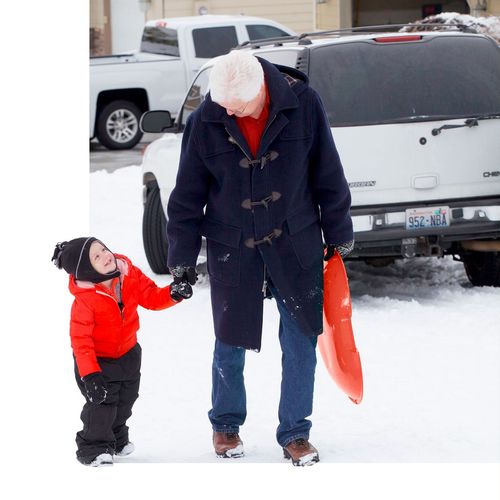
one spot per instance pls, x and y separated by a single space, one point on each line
365 82
260 31
158 40
195 96
212 42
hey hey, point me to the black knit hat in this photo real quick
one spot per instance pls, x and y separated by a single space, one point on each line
73 257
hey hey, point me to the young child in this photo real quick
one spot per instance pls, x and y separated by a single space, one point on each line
103 329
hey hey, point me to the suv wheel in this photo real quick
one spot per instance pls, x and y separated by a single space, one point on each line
118 125
482 268
154 231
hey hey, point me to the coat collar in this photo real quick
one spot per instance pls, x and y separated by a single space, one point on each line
281 94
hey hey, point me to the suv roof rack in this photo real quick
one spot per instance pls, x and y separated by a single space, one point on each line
384 27
277 41
304 38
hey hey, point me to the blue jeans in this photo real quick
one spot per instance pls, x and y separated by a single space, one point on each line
298 364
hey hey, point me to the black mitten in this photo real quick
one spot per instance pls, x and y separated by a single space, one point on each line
343 249
179 291
183 274
95 387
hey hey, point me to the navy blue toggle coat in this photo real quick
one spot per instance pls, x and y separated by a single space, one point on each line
261 216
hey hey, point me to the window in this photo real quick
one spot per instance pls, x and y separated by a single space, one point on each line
158 40
364 83
260 31
212 42
195 97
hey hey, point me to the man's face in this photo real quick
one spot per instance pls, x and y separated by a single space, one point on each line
241 108
102 260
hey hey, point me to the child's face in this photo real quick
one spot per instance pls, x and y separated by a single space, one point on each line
102 260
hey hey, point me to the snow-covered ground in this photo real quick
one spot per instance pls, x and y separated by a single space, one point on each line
429 345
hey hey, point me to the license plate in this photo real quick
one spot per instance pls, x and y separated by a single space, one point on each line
427 217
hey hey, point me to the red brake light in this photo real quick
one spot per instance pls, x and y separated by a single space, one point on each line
392 39
161 24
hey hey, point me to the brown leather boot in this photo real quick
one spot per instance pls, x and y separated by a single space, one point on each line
301 452
228 445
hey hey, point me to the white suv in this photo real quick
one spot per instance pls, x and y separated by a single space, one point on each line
416 120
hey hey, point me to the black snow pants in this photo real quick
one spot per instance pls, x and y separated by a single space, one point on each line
104 425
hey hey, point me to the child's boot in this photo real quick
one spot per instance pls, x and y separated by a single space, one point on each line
98 461
125 450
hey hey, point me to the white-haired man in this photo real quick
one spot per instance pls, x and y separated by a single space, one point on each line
261 179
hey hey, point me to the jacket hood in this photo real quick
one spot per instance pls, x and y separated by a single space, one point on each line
288 70
77 286
283 84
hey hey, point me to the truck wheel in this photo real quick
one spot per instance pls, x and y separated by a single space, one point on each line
118 125
482 268
154 231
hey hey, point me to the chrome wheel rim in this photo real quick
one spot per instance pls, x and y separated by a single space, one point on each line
122 125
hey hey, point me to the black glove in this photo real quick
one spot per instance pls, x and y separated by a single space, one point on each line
95 387
343 249
183 274
179 291
184 277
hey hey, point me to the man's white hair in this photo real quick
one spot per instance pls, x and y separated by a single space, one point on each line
236 76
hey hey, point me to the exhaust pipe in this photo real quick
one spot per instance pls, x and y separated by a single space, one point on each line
481 246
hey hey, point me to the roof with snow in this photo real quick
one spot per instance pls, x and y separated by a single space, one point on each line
485 25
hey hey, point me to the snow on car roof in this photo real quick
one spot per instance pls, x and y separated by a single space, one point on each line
489 25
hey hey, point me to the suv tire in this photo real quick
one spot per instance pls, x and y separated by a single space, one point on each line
118 125
482 268
154 231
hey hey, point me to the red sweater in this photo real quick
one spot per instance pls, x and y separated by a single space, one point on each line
252 128
98 327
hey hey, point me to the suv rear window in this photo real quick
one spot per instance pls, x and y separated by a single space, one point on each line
158 40
365 82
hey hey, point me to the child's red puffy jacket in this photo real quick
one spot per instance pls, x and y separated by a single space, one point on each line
98 327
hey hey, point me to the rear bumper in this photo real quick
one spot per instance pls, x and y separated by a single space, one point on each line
381 231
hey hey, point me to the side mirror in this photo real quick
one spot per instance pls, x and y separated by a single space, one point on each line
156 122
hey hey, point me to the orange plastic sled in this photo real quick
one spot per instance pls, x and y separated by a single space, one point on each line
336 344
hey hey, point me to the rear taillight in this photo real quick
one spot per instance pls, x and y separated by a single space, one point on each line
393 39
144 149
